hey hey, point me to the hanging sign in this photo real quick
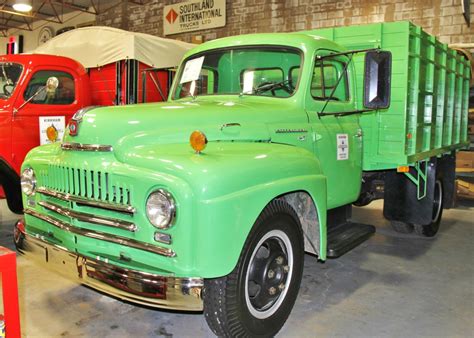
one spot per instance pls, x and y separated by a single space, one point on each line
193 15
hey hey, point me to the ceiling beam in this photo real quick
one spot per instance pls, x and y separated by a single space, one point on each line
33 16
21 22
55 11
96 8
7 27
70 5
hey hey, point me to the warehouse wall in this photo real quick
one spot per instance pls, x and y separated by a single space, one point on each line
442 18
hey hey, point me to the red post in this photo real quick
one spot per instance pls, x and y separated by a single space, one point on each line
10 293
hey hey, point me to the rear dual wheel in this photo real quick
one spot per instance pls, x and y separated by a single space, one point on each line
256 298
430 229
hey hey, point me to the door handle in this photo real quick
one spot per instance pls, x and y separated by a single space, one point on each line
234 124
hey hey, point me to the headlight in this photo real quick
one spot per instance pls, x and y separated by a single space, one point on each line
161 209
28 181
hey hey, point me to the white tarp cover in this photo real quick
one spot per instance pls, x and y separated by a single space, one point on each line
97 46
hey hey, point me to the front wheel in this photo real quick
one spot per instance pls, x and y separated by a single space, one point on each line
429 230
256 298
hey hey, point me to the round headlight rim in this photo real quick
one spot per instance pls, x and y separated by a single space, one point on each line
172 202
32 178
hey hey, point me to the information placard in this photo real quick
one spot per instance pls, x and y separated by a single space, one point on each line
51 128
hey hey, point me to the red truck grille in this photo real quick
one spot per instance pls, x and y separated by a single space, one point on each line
90 184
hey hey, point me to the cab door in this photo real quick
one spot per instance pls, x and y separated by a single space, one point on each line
337 138
43 119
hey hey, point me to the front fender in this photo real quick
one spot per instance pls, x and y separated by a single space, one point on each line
231 184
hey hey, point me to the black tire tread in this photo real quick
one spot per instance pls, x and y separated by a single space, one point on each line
402 227
430 230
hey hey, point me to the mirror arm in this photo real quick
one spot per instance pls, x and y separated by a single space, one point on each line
335 87
350 52
16 110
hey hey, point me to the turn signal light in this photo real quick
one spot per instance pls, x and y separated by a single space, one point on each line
403 169
198 141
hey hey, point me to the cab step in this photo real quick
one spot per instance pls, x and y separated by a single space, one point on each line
346 236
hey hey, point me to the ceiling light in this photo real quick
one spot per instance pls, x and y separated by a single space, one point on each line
22 5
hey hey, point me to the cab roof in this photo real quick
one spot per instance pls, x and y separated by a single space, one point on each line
302 41
43 59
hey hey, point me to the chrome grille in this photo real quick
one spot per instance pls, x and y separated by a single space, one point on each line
90 184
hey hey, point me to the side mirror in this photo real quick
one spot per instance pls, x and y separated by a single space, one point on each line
52 84
377 79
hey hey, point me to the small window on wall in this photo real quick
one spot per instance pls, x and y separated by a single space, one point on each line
64 94
325 80
205 84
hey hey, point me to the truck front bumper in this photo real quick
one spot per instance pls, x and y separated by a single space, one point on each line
131 285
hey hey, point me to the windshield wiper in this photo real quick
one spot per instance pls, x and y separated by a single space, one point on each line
266 86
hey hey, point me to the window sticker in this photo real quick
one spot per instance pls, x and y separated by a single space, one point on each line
342 147
192 70
51 128
248 82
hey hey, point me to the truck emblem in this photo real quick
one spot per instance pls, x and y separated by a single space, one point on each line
73 127
77 118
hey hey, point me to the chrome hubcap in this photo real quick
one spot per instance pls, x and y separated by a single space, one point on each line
269 274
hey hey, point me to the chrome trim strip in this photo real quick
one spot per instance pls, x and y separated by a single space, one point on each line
81 200
85 217
86 147
286 131
102 235
161 291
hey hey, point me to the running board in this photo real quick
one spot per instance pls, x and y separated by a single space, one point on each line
346 236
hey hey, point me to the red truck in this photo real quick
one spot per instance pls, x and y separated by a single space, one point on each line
93 66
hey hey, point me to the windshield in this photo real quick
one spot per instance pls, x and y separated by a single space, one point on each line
9 75
262 71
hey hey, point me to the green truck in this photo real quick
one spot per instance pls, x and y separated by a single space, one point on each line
208 202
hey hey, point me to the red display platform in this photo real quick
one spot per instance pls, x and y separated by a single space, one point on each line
10 293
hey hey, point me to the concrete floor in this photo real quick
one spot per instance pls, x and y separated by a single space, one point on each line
391 286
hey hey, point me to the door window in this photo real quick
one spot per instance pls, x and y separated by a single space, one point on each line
325 80
64 94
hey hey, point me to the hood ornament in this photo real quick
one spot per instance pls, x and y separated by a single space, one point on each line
77 119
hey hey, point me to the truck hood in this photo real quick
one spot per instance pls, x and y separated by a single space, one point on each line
221 119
